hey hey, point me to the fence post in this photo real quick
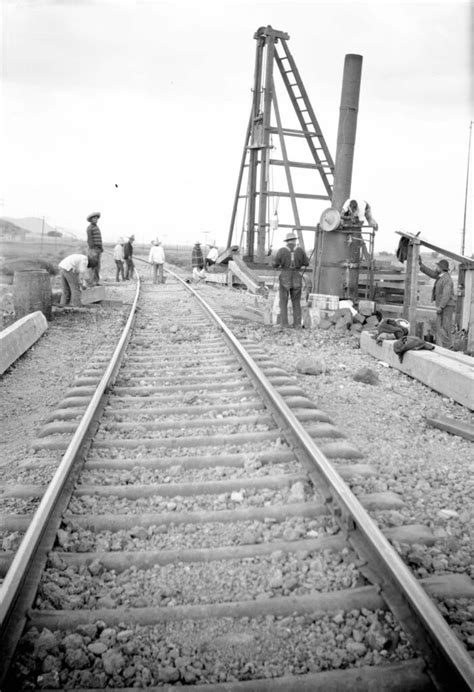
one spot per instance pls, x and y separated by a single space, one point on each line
410 298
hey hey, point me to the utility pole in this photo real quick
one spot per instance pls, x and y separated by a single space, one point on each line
463 241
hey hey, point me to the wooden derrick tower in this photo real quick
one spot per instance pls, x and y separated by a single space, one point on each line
253 218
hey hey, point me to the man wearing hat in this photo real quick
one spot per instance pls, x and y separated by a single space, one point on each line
197 261
118 259
443 297
94 244
128 257
290 259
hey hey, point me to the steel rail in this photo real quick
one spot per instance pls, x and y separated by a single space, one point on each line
460 675
14 578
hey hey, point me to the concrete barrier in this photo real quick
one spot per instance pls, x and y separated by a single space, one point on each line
18 337
451 374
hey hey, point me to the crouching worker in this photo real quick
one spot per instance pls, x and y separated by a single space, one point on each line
74 275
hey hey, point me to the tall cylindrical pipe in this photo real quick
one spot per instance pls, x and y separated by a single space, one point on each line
336 255
346 133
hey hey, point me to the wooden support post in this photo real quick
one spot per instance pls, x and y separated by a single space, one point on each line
410 298
467 315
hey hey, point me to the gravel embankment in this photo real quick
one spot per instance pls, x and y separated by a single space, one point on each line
431 470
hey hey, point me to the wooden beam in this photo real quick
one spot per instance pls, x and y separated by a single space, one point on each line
238 267
295 164
452 377
301 195
467 315
450 425
447 253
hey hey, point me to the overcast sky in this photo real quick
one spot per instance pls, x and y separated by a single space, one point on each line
139 109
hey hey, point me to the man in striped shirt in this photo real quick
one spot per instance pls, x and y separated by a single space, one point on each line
94 244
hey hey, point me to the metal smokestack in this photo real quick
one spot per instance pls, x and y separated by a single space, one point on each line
332 276
346 133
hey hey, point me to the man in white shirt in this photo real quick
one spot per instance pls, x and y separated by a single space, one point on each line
157 259
355 211
119 259
73 272
212 256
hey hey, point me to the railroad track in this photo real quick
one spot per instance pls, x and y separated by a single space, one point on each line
199 530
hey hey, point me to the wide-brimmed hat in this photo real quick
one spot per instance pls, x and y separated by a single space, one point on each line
291 236
91 216
443 264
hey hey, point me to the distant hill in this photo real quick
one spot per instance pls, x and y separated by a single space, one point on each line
8 228
35 226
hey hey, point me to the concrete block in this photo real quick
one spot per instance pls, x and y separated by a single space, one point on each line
366 307
93 295
18 338
452 375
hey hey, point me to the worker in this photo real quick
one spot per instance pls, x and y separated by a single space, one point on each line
157 260
197 261
118 258
94 244
290 259
212 255
443 297
73 272
128 257
355 211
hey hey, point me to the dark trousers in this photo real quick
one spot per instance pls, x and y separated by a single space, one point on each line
295 295
95 273
129 267
119 273
444 327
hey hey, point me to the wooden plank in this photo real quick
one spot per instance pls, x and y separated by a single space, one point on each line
18 338
451 377
453 426
447 253
467 319
244 274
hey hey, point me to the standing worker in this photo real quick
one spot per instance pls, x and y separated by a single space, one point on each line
290 259
94 244
157 260
118 258
128 257
73 269
197 261
443 297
